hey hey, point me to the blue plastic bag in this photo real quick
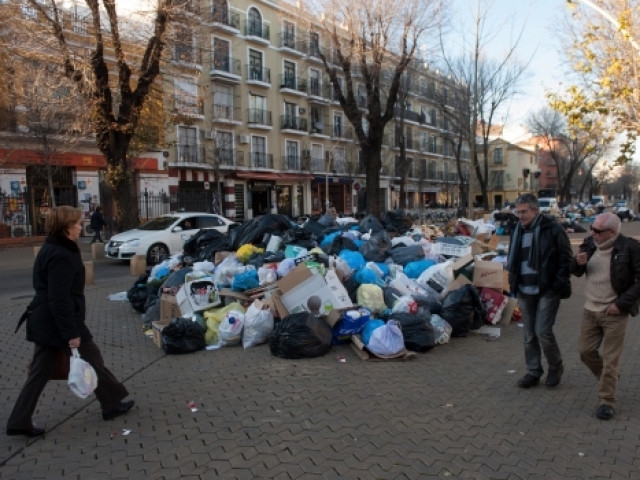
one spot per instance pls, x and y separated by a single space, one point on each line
328 240
414 269
355 260
384 267
366 275
369 328
348 325
245 281
358 242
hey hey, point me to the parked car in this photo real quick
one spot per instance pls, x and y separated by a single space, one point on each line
162 236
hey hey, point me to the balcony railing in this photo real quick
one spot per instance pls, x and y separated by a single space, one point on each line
289 122
260 117
319 126
228 157
340 131
188 105
314 50
226 112
186 54
258 74
293 83
261 160
318 164
224 17
409 115
188 154
256 29
291 162
225 63
292 42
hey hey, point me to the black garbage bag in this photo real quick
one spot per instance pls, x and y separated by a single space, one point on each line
299 236
417 332
376 249
206 238
316 229
327 220
340 243
463 310
396 221
300 335
370 223
152 311
404 255
182 335
351 284
390 296
253 231
259 259
176 279
428 303
138 293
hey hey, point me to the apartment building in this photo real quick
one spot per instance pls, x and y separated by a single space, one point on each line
512 172
259 115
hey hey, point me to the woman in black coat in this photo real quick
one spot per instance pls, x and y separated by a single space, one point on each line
97 222
57 322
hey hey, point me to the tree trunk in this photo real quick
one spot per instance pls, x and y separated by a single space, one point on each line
120 177
373 162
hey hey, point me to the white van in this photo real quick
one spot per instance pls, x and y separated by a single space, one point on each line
546 204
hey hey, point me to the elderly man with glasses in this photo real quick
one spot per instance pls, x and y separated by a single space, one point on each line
611 262
539 259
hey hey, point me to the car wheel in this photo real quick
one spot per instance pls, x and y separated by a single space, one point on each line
157 253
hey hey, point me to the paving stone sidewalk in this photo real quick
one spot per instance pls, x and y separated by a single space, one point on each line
454 412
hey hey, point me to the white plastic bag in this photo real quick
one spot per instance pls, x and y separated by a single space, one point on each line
274 244
441 329
267 275
437 278
83 379
227 269
230 329
386 340
258 325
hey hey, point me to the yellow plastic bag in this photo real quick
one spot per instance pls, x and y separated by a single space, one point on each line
245 251
371 296
214 318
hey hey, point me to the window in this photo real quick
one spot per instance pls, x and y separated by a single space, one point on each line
288 35
339 160
259 151
337 125
446 147
224 148
220 11
255 65
186 96
433 144
317 159
314 44
223 102
254 22
257 109
187 144
184 46
289 78
28 11
423 141
432 169
497 155
432 117
292 159
221 49
290 113
190 223
315 83
208 222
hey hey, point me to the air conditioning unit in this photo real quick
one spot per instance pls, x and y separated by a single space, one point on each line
19 231
87 231
207 134
243 138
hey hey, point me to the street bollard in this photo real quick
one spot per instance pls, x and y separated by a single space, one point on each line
88 273
97 251
138 265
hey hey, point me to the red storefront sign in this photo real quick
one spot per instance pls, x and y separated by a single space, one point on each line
21 158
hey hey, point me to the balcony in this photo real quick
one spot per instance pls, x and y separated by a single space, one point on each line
293 44
409 115
189 154
318 164
314 50
258 76
293 85
291 162
228 157
257 31
293 124
188 106
319 126
186 54
261 160
224 19
340 131
257 118
226 114
317 92
225 69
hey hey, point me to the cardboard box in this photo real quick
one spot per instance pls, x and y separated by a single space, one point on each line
505 282
495 303
188 302
358 346
157 328
169 308
512 303
220 256
488 274
312 293
460 281
462 262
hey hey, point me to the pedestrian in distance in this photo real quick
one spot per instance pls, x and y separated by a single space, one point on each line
56 322
97 222
539 264
611 263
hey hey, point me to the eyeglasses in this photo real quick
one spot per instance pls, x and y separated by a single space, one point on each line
598 231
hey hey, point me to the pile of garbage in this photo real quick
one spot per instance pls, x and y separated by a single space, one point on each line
384 286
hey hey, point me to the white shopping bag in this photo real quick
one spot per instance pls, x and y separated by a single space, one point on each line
83 379
387 339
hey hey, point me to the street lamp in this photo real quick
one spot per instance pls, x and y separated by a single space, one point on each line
610 18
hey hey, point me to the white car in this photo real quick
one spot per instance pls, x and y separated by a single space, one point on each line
162 236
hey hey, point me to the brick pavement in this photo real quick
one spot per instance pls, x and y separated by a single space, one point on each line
454 412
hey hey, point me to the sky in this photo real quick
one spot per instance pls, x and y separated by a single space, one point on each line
538 19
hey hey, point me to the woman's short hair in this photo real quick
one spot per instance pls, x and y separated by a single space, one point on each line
61 219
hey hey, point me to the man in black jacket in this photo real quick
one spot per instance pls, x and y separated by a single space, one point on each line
97 222
539 260
612 264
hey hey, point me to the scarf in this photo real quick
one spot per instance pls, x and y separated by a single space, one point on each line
513 261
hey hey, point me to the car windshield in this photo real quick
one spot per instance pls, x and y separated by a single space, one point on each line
159 223
544 203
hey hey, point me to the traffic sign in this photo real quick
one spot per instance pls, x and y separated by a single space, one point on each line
356 186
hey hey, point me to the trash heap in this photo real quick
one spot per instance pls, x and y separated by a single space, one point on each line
385 287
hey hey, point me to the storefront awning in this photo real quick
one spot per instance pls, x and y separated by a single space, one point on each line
274 176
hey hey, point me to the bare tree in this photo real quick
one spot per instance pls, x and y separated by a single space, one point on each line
569 148
377 40
109 34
